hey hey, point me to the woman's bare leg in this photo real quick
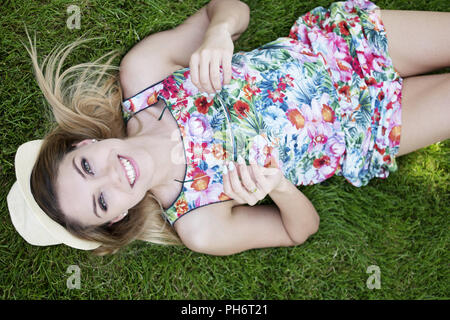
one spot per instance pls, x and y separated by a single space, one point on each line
418 41
425 112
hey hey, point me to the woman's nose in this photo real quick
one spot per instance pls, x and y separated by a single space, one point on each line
112 176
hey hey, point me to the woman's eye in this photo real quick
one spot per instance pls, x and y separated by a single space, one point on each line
102 202
86 167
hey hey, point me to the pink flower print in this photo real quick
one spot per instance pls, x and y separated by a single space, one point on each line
293 32
197 126
369 61
395 129
319 136
310 19
314 113
336 145
198 151
189 87
326 167
180 111
318 128
205 196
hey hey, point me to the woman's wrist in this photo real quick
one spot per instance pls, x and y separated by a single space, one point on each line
284 186
229 17
219 29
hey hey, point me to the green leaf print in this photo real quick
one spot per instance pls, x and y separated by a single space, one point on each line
310 68
260 65
236 93
374 38
364 113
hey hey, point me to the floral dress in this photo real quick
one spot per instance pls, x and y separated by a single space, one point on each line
324 101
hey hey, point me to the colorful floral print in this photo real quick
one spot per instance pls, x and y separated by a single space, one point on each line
324 101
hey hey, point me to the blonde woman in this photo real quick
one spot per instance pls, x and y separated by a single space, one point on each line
182 142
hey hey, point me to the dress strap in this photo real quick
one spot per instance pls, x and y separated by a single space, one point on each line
164 109
183 181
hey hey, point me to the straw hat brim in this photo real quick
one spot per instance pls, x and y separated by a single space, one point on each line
32 223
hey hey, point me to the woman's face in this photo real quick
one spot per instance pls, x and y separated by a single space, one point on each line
99 181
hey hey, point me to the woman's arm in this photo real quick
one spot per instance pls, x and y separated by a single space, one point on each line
160 54
300 221
221 229
228 20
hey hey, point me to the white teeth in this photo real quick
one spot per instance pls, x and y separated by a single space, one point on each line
129 170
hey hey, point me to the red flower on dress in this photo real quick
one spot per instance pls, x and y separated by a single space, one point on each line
371 81
323 161
381 151
310 19
170 89
276 95
376 116
241 109
345 90
343 28
203 105
289 80
201 179
132 107
181 206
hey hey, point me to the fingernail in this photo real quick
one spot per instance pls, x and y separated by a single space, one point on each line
231 166
240 159
225 170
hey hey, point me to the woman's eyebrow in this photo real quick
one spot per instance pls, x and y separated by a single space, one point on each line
84 177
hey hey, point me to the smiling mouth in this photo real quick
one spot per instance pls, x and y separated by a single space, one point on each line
130 170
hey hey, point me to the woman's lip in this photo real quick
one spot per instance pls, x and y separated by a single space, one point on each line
135 167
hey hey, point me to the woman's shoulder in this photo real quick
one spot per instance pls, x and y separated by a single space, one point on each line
197 220
137 73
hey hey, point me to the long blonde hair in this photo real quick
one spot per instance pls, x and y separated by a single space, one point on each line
85 101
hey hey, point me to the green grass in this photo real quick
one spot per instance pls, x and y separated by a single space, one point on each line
400 224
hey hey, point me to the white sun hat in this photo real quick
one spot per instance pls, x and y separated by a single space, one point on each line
32 223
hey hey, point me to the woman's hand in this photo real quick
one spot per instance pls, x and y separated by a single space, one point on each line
250 184
215 51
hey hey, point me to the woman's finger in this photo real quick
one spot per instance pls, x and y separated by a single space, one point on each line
215 73
259 176
204 72
247 181
193 66
226 66
237 186
227 188
250 184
